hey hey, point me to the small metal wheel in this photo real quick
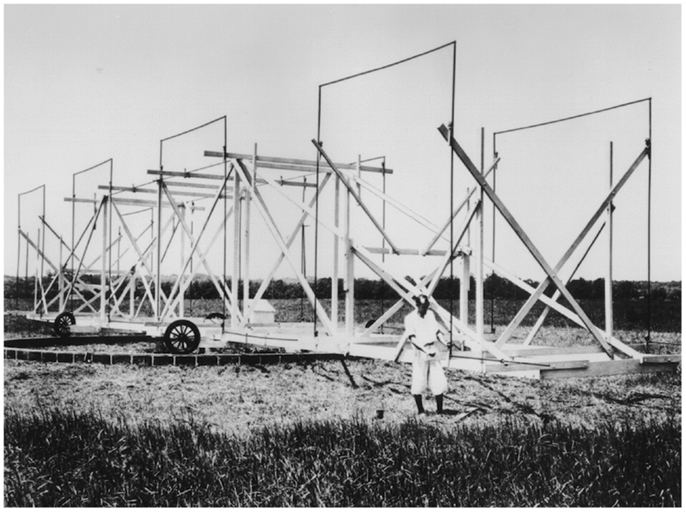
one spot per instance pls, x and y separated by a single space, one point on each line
62 323
182 337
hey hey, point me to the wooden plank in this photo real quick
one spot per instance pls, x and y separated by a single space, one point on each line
552 274
194 243
544 284
409 252
287 183
470 365
465 202
534 351
126 202
657 359
543 366
281 256
461 232
278 238
357 197
396 204
137 190
80 200
190 184
548 301
607 368
177 174
308 165
406 290
539 323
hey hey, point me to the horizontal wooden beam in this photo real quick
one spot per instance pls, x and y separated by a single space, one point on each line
176 174
518 366
410 252
129 202
191 184
606 368
661 358
80 200
536 351
136 190
305 165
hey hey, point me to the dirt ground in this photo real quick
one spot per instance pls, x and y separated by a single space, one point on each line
238 398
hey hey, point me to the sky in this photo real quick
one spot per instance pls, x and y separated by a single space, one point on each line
87 83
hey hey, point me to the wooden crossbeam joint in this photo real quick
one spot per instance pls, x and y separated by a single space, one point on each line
533 250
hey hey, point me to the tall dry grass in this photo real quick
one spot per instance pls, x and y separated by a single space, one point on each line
64 458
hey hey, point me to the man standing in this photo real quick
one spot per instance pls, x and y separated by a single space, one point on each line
422 331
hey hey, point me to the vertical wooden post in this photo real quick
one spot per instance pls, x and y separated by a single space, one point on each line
158 267
103 273
464 290
118 248
349 273
350 291
16 284
479 270
26 266
334 277
383 206
609 321
246 233
359 175
464 282
35 281
60 276
236 275
73 224
182 289
42 260
245 246
132 296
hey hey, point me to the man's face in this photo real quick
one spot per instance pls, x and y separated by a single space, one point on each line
422 306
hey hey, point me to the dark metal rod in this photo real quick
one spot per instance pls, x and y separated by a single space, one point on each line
571 117
320 143
452 196
387 65
316 213
650 180
197 128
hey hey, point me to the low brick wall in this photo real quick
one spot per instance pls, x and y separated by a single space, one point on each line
26 350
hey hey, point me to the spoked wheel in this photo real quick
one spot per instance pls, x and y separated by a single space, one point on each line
62 324
182 337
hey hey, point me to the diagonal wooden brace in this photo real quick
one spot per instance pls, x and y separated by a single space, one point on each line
263 210
505 212
357 197
584 232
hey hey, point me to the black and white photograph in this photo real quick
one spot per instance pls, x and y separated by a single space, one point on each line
342 255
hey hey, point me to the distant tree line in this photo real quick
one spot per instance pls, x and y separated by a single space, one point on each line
495 287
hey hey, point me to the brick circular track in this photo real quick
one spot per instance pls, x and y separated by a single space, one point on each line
32 349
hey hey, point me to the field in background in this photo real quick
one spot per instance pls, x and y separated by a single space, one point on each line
629 314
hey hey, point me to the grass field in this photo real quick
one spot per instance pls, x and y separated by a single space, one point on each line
83 460
305 434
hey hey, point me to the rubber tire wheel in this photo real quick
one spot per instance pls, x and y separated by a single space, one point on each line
182 337
62 323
